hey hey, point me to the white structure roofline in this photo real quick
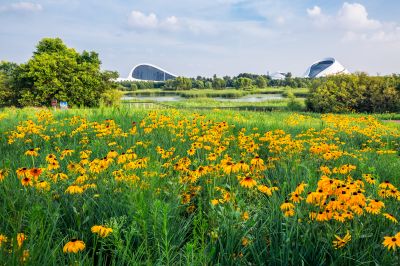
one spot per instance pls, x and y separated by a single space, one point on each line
130 77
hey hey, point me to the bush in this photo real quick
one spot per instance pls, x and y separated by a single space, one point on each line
111 98
358 92
293 104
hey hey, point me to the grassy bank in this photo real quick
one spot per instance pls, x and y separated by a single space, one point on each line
196 188
211 103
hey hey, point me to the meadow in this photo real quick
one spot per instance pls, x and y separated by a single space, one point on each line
120 186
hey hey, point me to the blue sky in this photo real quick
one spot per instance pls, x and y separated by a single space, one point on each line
223 37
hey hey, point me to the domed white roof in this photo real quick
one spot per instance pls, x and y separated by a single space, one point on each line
325 67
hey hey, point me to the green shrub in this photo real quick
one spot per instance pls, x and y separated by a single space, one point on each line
111 98
293 103
358 92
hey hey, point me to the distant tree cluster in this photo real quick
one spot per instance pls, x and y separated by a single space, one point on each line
358 92
55 72
241 81
139 85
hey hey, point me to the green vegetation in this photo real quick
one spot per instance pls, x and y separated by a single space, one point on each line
358 93
242 81
205 188
54 72
225 93
211 103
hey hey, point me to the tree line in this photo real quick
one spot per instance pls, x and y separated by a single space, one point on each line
241 81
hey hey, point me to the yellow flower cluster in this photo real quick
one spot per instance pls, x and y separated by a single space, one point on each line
199 159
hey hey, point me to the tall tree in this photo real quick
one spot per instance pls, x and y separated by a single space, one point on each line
56 71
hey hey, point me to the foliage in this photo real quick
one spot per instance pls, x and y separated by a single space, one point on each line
241 83
58 72
111 98
218 83
358 92
8 84
261 82
293 103
179 83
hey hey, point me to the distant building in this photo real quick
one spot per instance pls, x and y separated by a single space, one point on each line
325 67
277 75
148 72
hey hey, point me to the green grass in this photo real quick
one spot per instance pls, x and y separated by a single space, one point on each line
211 103
151 223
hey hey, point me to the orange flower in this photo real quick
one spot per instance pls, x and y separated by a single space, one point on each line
35 172
74 246
32 152
26 181
248 182
20 239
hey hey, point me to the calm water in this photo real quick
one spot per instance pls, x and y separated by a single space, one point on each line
154 98
253 98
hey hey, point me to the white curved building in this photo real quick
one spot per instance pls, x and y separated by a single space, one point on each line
326 67
148 72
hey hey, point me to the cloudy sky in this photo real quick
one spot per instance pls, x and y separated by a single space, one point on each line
206 37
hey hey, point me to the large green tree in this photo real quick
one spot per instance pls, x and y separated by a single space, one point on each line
58 72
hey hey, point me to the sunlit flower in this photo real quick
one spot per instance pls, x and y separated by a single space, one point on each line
74 190
390 217
3 239
32 152
74 246
391 242
43 185
287 206
26 181
35 172
101 230
295 197
214 202
3 174
21 172
248 182
245 241
289 213
264 189
20 239
66 152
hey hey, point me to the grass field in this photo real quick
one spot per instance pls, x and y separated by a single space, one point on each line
137 187
211 103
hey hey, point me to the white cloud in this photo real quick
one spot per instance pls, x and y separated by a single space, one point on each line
314 12
171 23
353 23
320 20
350 17
139 20
355 17
22 6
